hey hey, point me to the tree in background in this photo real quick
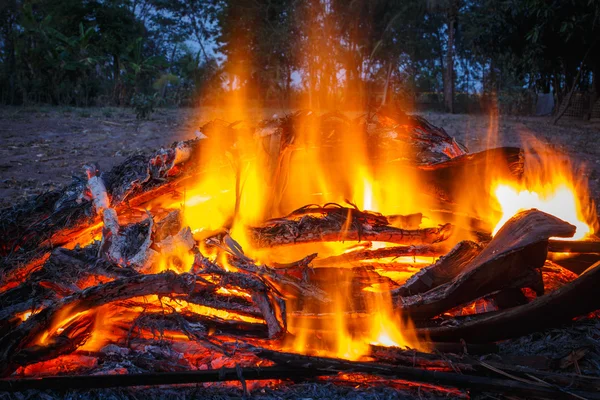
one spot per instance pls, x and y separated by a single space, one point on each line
334 53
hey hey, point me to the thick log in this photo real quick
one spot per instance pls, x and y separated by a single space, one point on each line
551 310
576 262
444 270
461 381
303 231
511 260
440 180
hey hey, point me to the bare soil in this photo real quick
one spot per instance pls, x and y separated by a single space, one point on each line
43 147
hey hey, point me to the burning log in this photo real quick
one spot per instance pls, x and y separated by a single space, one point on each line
440 179
288 284
119 243
430 143
551 310
28 333
574 246
522 387
443 271
268 299
555 276
27 226
313 229
396 251
64 273
511 260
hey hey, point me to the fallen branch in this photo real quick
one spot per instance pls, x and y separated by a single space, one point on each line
464 363
523 387
154 379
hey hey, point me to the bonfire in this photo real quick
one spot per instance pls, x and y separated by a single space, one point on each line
312 247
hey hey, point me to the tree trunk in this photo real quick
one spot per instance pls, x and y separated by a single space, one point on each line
116 78
387 83
449 72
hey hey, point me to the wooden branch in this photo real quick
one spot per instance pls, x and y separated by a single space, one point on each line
59 214
443 271
154 379
465 363
165 284
511 260
462 381
397 251
288 284
574 246
293 232
266 296
64 273
551 310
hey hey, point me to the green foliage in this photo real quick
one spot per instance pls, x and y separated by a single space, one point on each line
336 52
144 105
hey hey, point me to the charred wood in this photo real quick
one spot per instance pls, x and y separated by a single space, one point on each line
511 260
397 251
310 229
465 363
26 226
574 246
551 310
443 271
154 379
526 388
27 334
505 163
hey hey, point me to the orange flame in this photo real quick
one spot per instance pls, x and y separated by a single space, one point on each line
550 185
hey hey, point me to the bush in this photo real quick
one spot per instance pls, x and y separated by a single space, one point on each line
516 101
144 105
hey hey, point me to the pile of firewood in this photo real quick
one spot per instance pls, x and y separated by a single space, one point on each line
56 283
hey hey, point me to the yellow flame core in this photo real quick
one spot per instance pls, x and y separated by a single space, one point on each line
559 201
351 336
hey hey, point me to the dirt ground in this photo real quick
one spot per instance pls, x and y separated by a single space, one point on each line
43 147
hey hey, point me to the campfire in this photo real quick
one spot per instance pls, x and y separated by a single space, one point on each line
313 246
